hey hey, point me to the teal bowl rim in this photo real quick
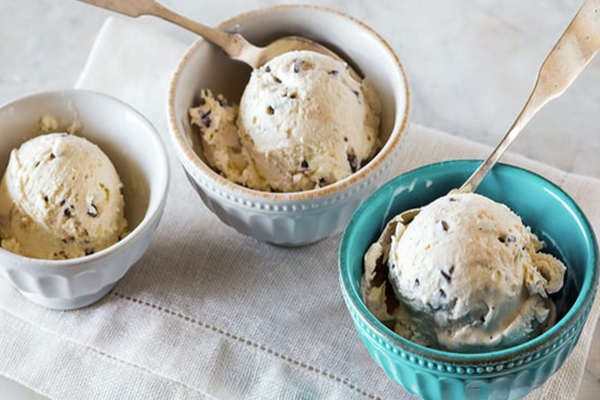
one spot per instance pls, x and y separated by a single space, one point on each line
580 308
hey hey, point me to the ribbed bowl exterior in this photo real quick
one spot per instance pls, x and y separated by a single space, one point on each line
501 380
68 287
288 223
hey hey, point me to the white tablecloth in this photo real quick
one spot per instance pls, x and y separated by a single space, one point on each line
207 312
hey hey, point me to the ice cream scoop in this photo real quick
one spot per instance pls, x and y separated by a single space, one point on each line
468 276
306 122
303 123
60 198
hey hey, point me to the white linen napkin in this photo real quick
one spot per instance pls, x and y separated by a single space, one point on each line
208 313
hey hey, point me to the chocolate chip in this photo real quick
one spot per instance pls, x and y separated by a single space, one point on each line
37 164
322 182
417 282
446 276
345 138
277 79
434 308
482 319
270 110
452 199
293 95
89 252
304 164
451 270
68 212
52 156
92 210
444 225
298 65
62 203
46 199
205 118
333 72
353 161
507 238
442 293
267 69
356 93
64 241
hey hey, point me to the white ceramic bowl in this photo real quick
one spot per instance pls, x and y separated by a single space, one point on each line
139 156
288 219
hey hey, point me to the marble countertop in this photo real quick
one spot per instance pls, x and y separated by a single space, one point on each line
470 65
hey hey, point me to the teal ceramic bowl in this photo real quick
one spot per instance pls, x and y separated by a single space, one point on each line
505 374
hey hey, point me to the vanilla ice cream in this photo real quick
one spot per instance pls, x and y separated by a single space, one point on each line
465 275
60 198
303 123
221 144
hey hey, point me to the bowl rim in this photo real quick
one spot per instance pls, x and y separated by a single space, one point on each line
153 210
583 301
185 151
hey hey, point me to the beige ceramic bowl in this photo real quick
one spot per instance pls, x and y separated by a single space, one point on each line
288 219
